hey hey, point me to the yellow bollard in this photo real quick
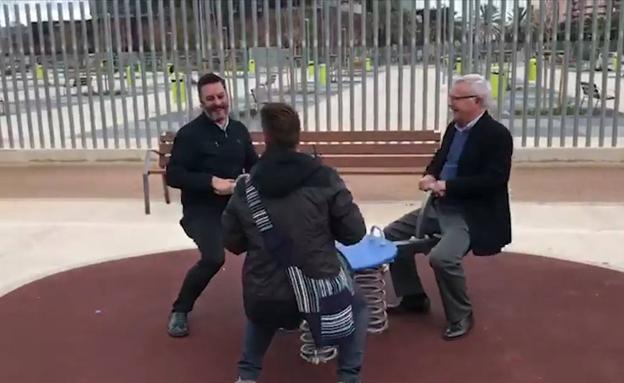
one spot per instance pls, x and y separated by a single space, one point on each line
251 66
533 69
369 64
128 75
458 65
323 74
496 76
39 73
311 69
178 91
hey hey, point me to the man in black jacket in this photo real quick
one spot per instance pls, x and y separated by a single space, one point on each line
310 204
207 156
468 177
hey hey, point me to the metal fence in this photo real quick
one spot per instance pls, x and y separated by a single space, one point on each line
117 73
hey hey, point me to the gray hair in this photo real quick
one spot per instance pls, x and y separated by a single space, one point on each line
479 86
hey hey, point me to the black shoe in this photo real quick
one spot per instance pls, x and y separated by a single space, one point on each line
178 325
414 304
459 329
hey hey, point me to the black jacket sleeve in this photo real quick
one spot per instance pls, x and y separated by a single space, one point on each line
251 157
347 223
496 169
234 238
179 174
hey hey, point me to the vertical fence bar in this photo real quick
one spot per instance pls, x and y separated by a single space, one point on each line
563 101
70 116
400 82
527 57
152 38
5 93
471 34
339 59
488 38
221 38
143 72
592 72
280 64
438 55
315 53
46 78
327 17
502 70
131 63
579 71
291 46
553 68
209 37
465 33
243 32
514 68
305 58
413 67
108 49
33 69
90 100
388 30
234 70
187 60
618 82
254 22
351 56
22 58
120 69
376 65
267 45
98 79
175 76
364 61
451 49
426 66
56 77
165 64
197 65
477 43
77 81
605 72
14 84
538 84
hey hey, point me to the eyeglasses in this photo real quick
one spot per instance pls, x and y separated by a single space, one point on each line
462 97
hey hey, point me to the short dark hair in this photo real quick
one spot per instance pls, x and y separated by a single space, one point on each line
280 124
209 78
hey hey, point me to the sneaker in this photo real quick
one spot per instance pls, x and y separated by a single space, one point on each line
244 381
178 325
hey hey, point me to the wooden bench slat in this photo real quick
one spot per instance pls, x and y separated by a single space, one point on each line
368 136
382 148
376 161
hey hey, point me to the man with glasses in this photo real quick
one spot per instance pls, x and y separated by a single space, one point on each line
468 178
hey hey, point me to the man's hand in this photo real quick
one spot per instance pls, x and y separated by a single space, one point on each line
223 186
426 183
439 188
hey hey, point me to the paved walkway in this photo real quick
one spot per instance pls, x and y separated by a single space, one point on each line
54 218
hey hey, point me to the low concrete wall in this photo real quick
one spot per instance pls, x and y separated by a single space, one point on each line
522 156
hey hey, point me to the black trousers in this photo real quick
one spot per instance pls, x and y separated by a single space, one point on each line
204 228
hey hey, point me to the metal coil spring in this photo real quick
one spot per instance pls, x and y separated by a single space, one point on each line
372 283
309 352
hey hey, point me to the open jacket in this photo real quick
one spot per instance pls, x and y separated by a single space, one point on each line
481 185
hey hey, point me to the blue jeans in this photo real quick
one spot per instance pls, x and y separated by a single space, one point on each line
350 350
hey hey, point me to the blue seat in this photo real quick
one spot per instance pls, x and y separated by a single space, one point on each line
371 252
